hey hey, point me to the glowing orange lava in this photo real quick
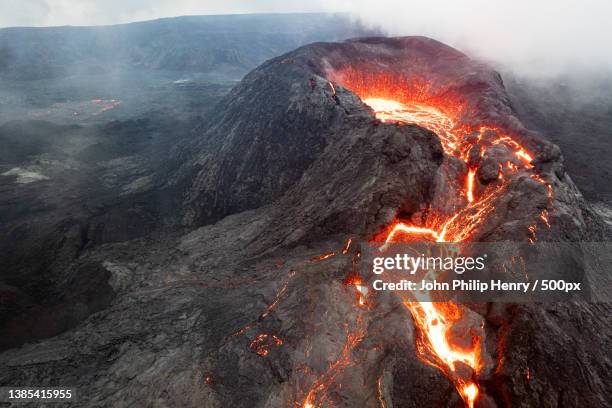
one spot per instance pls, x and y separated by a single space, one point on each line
469 188
318 391
397 99
323 257
435 320
263 342
361 290
392 111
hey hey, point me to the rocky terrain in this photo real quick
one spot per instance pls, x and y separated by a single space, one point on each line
236 289
86 131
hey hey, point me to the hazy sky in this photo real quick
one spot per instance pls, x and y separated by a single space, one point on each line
535 35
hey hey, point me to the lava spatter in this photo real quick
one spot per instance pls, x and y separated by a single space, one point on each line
262 344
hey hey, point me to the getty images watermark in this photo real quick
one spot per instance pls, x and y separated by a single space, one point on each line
491 272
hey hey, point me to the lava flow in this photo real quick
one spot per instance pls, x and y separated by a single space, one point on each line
401 101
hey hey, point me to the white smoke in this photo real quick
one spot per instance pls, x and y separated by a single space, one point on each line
541 38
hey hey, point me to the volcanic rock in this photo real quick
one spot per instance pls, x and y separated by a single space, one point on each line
488 170
293 166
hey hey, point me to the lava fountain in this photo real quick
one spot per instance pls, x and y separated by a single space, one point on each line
398 99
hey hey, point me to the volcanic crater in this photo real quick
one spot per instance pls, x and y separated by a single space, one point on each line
311 155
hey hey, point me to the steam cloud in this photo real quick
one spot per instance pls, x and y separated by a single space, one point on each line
539 38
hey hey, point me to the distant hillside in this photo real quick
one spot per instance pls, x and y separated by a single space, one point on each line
575 112
231 43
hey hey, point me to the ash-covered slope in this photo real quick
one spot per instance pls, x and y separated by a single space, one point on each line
280 125
261 308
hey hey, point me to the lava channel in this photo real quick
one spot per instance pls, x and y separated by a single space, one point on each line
395 100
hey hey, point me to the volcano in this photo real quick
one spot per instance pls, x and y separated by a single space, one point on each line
259 304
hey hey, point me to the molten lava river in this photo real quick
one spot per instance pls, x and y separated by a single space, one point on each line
437 324
449 336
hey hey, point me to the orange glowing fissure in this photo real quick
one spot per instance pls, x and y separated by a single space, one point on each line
396 100
435 320
442 340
